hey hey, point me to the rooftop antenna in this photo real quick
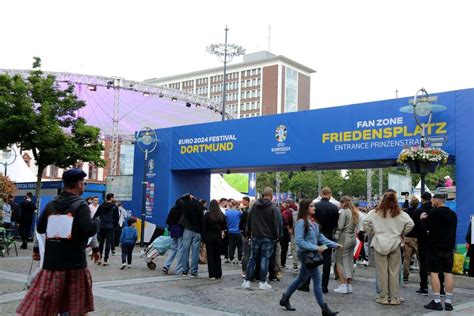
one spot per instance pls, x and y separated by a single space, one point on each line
269 37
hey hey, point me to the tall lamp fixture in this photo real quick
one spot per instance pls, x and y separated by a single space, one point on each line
422 106
9 159
225 52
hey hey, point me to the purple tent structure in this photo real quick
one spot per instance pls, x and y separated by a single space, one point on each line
121 107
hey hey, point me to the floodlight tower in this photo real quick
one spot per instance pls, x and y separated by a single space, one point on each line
225 52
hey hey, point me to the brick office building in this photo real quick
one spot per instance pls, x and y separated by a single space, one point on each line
263 84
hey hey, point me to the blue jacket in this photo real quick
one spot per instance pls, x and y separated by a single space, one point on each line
232 217
129 236
312 239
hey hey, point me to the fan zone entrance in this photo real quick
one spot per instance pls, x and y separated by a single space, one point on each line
367 135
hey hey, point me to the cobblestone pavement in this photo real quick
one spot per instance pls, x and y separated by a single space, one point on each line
140 291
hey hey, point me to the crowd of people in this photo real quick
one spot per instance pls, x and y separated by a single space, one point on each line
258 235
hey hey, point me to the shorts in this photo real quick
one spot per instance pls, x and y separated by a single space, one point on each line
440 261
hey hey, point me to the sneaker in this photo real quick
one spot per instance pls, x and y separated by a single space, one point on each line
325 290
365 263
99 263
165 270
342 289
194 274
394 301
129 266
273 279
113 253
349 288
243 275
442 294
448 307
383 301
401 299
184 274
105 264
355 265
264 286
434 306
246 284
423 292
212 278
124 265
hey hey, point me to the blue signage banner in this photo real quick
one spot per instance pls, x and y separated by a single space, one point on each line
362 132
367 135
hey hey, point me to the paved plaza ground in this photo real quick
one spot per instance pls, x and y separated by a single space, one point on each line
140 291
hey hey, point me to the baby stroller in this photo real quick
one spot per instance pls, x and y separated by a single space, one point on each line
157 248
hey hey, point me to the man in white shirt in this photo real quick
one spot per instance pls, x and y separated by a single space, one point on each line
94 206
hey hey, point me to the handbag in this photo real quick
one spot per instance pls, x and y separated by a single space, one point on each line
312 259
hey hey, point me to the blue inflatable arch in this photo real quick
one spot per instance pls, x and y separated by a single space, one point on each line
354 136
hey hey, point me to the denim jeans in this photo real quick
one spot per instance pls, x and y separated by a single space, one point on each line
263 248
301 278
191 241
176 248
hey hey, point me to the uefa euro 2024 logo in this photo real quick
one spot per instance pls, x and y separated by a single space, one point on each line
280 133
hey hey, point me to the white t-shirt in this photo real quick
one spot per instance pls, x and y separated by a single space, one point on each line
93 209
122 215
7 213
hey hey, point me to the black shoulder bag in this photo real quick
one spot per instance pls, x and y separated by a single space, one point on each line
311 258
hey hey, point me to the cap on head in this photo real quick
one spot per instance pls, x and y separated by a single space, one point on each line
426 196
73 175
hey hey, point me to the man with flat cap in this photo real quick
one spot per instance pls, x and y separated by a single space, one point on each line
64 284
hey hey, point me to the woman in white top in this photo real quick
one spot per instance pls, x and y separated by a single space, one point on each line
388 224
348 223
6 212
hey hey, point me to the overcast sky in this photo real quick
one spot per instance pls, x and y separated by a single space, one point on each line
362 50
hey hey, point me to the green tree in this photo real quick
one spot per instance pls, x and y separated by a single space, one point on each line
302 183
355 183
41 116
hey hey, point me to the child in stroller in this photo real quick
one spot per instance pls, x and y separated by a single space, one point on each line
157 248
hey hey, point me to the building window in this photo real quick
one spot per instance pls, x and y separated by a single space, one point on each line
291 90
53 171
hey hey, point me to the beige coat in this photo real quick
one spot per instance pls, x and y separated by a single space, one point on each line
387 231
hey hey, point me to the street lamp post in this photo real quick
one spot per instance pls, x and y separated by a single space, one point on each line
147 142
7 155
225 52
423 105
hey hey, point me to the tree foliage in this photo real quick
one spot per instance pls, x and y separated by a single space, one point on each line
42 117
353 183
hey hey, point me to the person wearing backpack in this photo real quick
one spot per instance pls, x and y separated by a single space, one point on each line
64 284
108 215
128 239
